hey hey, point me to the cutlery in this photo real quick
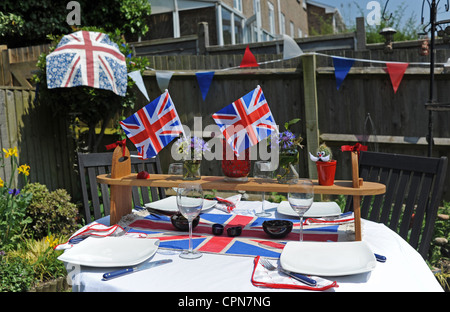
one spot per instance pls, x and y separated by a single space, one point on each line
302 278
380 258
145 266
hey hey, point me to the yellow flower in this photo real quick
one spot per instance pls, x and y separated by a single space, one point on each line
2 183
10 152
52 241
25 169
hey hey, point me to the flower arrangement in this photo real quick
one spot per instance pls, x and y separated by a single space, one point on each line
289 147
191 148
191 151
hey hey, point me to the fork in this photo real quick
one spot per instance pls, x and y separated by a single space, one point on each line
302 278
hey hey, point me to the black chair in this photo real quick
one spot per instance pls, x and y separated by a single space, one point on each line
414 187
96 200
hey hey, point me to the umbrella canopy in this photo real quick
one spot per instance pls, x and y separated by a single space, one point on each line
87 58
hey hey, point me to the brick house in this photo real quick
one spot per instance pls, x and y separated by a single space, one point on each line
322 16
229 21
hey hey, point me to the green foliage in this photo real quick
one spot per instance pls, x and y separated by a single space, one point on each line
50 212
50 17
16 274
42 256
11 24
91 106
441 229
13 203
407 29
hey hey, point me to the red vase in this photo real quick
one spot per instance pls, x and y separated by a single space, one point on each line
233 168
326 171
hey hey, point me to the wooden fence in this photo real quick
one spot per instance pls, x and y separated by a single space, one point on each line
43 140
399 119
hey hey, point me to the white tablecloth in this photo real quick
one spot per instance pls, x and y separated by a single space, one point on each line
404 271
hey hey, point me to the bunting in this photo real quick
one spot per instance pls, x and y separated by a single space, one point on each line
341 68
163 79
137 78
396 72
249 59
204 82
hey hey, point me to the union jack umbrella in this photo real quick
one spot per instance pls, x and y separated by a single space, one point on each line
89 59
246 121
153 126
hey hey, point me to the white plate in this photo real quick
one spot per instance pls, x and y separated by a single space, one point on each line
110 251
317 210
170 204
328 258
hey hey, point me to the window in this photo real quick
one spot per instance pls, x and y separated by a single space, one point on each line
300 33
238 29
226 26
237 5
292 29
271 18
283 24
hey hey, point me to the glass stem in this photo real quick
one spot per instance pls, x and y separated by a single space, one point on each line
190 236
301 228
263 198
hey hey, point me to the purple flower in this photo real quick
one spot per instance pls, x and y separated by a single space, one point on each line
14 192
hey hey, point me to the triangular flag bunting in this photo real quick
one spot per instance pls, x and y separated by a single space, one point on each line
396 72
290 48
249 59
163 79
137 78
341 68
204 81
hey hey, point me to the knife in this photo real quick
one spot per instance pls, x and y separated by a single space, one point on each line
300 277
145 266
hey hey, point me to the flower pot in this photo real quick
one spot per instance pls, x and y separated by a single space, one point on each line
235 168
326 171
191 170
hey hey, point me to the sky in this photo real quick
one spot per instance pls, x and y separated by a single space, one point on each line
349 10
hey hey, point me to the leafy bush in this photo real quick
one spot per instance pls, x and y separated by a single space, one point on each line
40 255
16 274
50 212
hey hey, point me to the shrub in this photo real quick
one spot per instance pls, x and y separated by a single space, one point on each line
16 274
51 212
41 255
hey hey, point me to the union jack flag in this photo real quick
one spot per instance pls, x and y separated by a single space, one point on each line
153 126
246 121
89 59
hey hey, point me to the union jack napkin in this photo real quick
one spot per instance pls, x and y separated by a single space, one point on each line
94 229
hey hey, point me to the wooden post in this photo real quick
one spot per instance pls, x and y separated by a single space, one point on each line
356 199
120 195
311 111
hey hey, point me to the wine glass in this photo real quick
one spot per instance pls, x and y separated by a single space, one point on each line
301 197
190 203
262 172
177 170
